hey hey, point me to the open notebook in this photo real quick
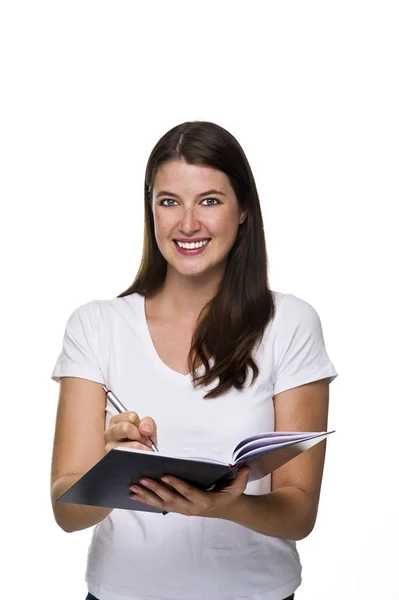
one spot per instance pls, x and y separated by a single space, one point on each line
107 482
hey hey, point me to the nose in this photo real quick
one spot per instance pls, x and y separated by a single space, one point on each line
189 221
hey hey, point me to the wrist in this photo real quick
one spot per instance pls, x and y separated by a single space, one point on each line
232 511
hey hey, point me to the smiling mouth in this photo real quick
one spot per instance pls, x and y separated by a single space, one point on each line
194 247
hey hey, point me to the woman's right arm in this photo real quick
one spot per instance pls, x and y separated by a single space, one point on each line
80 442
78 445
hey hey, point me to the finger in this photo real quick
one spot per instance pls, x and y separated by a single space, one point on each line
184 490
159 495
239 483
124 432
234 486
148 428
136 445
142 494
129 415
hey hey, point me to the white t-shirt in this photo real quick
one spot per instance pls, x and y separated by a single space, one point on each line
150 556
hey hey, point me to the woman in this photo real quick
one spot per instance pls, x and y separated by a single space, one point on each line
196 315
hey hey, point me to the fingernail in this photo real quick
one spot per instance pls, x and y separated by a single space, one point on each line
146 428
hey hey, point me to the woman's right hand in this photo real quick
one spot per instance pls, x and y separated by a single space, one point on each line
126 429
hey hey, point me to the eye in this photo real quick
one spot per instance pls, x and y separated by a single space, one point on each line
216 200
171 200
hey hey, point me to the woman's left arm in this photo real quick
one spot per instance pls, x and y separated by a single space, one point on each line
290 509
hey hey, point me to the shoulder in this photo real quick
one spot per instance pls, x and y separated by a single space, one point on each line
295 320
292 310
83 314
111 309
99 313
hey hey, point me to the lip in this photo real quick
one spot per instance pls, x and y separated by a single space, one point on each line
190 240
192 252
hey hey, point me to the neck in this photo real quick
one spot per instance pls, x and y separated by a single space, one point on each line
182 301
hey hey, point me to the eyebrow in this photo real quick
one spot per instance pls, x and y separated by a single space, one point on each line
166 193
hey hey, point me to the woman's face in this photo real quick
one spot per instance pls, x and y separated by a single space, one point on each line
191 202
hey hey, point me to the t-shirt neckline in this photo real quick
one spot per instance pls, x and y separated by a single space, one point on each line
175 376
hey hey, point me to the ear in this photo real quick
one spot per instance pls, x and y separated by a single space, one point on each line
243 216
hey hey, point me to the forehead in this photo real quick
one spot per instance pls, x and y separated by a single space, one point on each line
180 177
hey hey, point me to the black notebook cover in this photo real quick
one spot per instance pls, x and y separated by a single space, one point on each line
107 482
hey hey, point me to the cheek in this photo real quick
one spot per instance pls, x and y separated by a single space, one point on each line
225 227
163 220
220 226
162 227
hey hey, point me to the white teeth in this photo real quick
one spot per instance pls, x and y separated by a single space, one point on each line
192 245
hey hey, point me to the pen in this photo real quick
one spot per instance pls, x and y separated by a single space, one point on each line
120 408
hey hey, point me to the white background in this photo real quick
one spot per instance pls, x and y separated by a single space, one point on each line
310 90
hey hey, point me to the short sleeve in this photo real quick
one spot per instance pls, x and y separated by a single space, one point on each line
79 354
301 355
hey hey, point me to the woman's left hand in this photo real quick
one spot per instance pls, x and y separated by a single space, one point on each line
187 499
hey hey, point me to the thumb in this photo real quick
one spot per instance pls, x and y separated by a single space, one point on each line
241 479
239 483
148 428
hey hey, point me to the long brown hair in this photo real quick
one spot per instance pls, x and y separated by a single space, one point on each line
230 324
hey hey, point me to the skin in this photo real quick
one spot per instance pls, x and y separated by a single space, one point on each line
290 510
191 281
296 485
